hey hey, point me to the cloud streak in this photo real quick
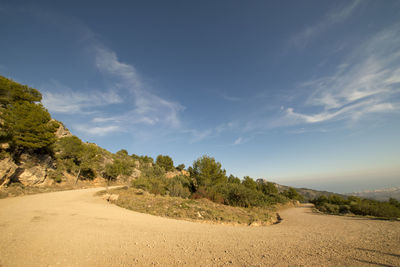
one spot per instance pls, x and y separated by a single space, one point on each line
62 99
148 107
336 16
368 82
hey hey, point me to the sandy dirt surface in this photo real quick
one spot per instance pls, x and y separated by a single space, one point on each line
74 228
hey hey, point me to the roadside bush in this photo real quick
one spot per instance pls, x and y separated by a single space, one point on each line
291 193
56 175
88 173
336 204
267 188
249 183
344 209
331 208
178 190
154 185
240 195
179 186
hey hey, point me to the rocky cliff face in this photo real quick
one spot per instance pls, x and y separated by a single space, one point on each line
32 170
7 170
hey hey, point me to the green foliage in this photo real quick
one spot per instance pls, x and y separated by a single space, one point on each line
243 196
233 180
29 126
146 159
122 153
25 125
291 193
11 92
180 167
118 167
111 171
207 172
394 202
162 186
77 157
336 204
179 186
70 147
56 175
165 162
267 188
208 180
249 183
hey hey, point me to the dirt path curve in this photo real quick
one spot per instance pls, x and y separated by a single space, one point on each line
73 228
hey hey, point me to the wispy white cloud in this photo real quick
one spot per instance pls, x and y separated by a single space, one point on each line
368 82
148 107
230 98
98 130
59 98
238 141
198 135
335 16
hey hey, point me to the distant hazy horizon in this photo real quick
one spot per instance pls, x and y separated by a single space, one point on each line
344 185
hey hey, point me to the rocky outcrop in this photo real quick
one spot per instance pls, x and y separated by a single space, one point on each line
33 170
7 171
174 173
33 176
4 146
135 174
62 131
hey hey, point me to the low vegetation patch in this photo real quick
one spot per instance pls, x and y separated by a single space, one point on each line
352 205
191 209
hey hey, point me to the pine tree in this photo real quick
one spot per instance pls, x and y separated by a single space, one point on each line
25 123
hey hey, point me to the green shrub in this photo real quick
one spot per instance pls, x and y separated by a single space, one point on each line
249 183
165 162
344 209
180 167
233 180
291 193
331 208
207 172
56 175
178 190
336 204
267 188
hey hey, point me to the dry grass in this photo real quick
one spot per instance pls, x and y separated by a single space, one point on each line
190 209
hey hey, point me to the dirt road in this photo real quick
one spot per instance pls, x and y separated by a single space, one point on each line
73 228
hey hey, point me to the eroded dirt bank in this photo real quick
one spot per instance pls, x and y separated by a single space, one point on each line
73 228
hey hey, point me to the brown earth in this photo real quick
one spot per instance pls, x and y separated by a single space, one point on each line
74 228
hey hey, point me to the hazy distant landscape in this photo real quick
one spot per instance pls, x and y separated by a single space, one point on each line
200 133
380 194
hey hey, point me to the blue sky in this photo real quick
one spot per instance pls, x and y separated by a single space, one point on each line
305 93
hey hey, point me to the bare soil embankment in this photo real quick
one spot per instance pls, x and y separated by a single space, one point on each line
74 228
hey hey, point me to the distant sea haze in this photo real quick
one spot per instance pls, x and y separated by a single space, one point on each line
343 184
